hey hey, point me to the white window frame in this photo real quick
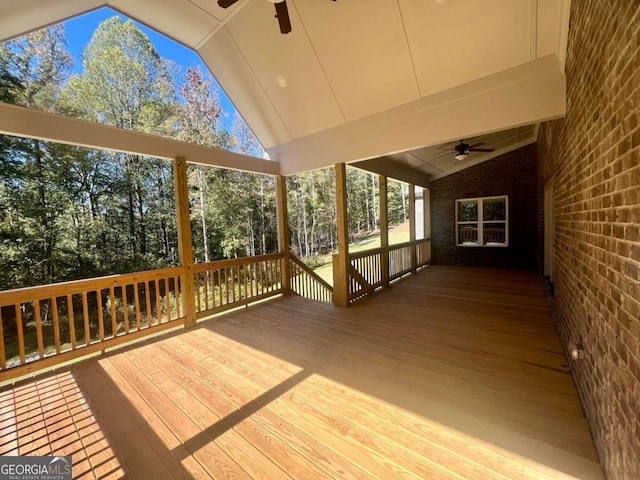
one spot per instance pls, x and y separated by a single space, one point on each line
481 222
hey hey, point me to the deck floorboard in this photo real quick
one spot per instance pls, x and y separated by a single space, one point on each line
454 373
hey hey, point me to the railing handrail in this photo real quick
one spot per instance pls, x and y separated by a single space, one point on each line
234 262
42 292
365 253
398 246
310 272
393 246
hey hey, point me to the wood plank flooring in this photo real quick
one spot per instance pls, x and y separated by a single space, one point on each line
455 373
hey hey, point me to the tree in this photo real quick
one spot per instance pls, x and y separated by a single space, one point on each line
198 122
126 84
33 68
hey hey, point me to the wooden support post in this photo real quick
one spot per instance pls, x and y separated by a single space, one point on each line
341 260
283 233
185 248
412 226
384 230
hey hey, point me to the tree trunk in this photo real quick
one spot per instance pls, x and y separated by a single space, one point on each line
130 208
404 202
203 219
263 234
163 221
143 226
373 201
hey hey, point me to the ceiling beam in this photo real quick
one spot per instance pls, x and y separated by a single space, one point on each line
24 122
393 169
526 94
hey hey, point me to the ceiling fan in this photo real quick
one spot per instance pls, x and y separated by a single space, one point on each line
463 149
282 13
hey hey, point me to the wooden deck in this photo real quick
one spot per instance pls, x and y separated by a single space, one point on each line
455 373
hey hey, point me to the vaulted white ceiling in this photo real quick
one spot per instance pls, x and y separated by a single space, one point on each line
364 78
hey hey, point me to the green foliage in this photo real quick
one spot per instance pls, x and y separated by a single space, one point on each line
312 209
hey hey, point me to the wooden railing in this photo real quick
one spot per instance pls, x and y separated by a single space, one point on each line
365 272
423 252
306 283
51 324
227 284
400 259
371 269
46 325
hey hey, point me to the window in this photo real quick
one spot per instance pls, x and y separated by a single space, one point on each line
482 222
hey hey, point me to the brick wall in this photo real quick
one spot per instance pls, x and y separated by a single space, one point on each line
593 155
512 174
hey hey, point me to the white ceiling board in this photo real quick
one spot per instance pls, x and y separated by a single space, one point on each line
178 19
537 95
364 53
395 170
365 78
18 17
212 8
307 104
459 41
233 73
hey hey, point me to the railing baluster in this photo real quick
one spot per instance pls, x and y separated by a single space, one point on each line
149 310
114 318
36 308
206 291
167 298
156 288
72 321
18 308
85 318
56 323
197 287
226 285
176 295
100 315
136 301
3 353
125 309
218 280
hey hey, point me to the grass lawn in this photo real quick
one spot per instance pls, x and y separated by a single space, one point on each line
397 234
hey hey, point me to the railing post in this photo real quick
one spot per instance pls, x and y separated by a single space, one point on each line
412 226
283 233
341 260
185 248
384 230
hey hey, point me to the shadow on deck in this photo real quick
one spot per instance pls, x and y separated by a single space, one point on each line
453 373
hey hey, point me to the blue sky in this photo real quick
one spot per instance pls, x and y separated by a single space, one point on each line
80 29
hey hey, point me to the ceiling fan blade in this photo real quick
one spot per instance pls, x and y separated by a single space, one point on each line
481 149
226 3
282 13
477 145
